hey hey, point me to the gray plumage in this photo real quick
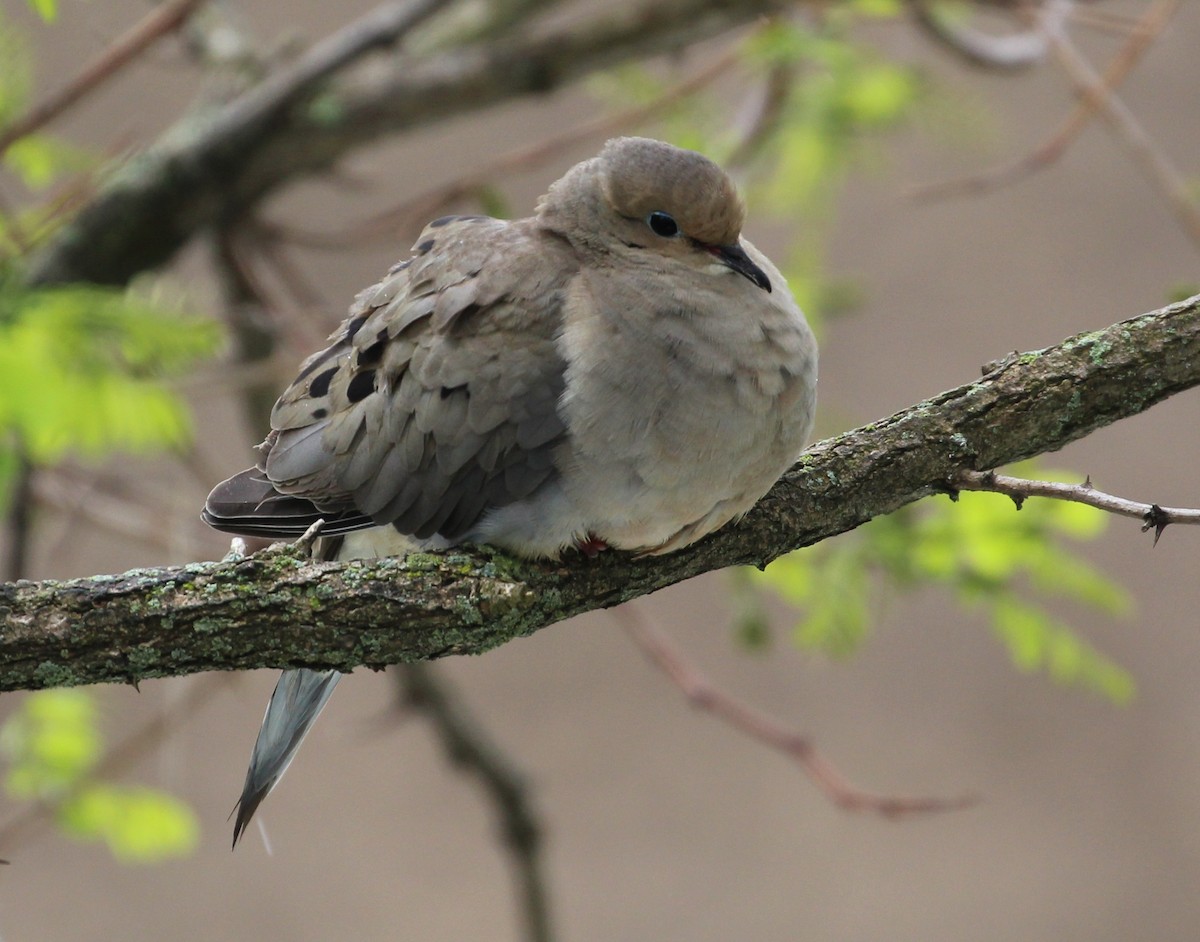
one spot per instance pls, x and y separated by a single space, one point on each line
619 369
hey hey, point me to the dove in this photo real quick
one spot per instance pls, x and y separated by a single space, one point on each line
619 370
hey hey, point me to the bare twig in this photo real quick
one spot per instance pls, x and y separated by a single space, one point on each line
20 511
417 210
767 117
1153 516
1104 21
1003 53
160 21
1144 32
383 27
85 500
469 747
1154 164
250 317
701 693
201 171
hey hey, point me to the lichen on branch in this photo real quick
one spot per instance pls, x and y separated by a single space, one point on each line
280 609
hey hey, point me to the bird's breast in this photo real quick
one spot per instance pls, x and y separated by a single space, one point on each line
676 412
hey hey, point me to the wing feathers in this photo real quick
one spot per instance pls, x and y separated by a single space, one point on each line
436 399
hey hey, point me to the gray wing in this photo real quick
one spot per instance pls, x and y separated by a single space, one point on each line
436 400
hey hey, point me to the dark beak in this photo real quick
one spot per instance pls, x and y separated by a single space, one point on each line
736 258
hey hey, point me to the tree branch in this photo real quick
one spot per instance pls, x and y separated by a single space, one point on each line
281 609
702 694
468 746
303 119
159 22
1141 37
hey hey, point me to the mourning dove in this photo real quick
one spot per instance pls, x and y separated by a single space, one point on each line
620 370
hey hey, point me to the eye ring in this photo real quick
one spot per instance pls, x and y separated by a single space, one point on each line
662 224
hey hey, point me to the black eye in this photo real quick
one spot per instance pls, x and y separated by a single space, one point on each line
663 224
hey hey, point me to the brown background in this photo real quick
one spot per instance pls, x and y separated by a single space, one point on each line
662 823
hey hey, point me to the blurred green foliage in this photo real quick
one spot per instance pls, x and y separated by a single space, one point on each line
46 9
52 745
84 370
989 556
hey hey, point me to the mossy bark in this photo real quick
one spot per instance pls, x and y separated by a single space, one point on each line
280 609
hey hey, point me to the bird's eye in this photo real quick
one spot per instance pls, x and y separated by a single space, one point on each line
663 224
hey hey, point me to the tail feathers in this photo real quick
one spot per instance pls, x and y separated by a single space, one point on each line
295 705
248 504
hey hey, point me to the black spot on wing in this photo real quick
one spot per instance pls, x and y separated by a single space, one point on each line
319 360
372 355
320 384
361 386
425 246
354 325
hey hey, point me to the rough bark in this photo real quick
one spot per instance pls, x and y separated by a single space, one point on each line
278 609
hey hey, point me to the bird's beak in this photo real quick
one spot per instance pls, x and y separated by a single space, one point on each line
736 258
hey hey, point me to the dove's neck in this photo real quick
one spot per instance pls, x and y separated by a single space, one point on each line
575 207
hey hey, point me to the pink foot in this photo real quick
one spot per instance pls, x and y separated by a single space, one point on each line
591 546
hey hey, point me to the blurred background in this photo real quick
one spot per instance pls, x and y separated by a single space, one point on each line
660 821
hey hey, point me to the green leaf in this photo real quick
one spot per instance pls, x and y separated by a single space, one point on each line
39 160
790 577
82 369
1036 641
878 8
46 9
51 743
1067 576
879 95
140 825
988 555
837 619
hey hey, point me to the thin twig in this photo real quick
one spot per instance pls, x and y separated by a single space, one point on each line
700 692
469 747
85 500
160 21
1055 145
416 210
1154 164
20 510
768 116
251 319
383 27
1004 53
200 172
1103 21
1153 516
